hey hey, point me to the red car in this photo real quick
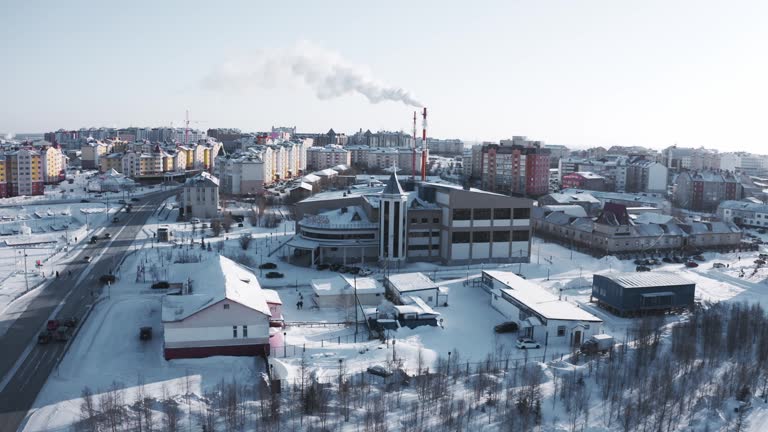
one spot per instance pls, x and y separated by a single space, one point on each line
691 264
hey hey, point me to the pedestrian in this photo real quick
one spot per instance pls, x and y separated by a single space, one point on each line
298 305
301 304
69 273
57 275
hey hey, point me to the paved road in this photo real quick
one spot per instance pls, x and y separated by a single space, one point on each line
74 294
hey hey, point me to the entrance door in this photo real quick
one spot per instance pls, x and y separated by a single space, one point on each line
577 337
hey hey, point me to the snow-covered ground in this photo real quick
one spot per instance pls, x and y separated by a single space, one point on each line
108 350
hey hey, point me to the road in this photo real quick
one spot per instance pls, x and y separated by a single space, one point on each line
24 365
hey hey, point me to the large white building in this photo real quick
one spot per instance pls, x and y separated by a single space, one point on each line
319 158
539 314
225 313
201 196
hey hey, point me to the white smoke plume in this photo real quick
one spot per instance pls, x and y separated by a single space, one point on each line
327 73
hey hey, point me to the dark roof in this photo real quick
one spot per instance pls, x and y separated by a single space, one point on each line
614 214
393 186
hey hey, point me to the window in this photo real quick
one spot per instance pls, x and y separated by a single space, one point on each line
413 220
561 331
482 214
502 213
234 331
522 213
435 220
461 237
462 214
424 220
429 298
481 236
501 236
226 306
520 235
245 331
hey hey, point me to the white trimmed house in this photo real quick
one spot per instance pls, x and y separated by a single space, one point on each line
227 312
539 314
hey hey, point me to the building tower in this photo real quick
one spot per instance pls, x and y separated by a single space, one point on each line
392 221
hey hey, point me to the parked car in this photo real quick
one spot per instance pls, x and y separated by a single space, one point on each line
145 333
762 256
134 199
268 266
699 258
322 266
274 275
194 220
122 201
506 327
640 262
691 264
667 260
107 235
335 267
760 262
527 343
87 259
161 285
84 200
115 219
718 265
642 268
653 261
379 370
365 272
762 230
93 239
677 259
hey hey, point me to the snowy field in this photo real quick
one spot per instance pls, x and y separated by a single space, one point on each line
108 353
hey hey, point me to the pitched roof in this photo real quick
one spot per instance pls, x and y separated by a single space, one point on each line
393 186
646 279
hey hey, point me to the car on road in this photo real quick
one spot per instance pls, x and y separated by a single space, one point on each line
718 265
107 235
642 268
94 239
87 259
691 264
122 201
84 200
527 343
274 275
268 266
134 199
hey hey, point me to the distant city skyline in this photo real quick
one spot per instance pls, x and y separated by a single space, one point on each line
602 73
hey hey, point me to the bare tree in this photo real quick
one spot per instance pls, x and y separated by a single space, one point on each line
245 241
216 227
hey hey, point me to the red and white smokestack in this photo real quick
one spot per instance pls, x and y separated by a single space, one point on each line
424 146
413 156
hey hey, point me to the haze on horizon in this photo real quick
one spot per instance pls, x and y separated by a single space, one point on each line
582 74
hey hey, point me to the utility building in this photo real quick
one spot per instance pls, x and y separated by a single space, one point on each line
630 294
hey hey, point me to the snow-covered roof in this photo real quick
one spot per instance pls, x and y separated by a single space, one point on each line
407 282
311 178
271 296
418 302
538 299
214 280
744 205
201 179
569 209
646 279
326 173
341 285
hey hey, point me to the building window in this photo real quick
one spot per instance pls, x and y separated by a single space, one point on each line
561 331
424 220
245 331
226 306
520 235
502 213
461 237
500 236
234 332
522 213
435 220
481 237
482 213
462 214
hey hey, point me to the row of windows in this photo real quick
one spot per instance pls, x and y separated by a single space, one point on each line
309 234
486 236
423 247
245 331
485 213
424 234
424 220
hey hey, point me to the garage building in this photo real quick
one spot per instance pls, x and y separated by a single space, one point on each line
631 294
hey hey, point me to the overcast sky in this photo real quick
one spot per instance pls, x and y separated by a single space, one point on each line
579 73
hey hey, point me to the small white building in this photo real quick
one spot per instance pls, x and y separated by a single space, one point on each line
201 196
539 314
227 312
416 285
340 291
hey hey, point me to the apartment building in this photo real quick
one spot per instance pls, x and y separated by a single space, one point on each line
515 166
329 156
4 191
756 165
54 164
91 153
704 190
584 180
744 213
448 147
201 196
24 172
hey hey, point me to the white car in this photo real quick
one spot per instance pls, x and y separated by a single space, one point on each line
527 343
365 272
